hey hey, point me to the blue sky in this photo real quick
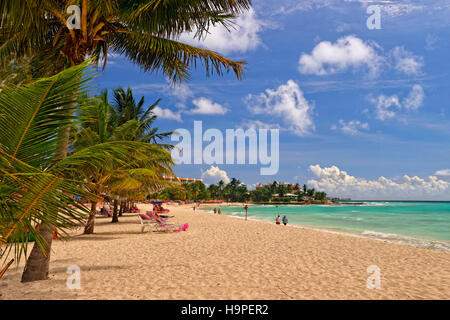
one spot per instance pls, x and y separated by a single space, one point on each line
362 113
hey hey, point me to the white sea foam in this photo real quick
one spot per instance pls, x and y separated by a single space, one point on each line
416 242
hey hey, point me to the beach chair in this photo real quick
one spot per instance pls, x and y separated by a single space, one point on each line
162 225
145 222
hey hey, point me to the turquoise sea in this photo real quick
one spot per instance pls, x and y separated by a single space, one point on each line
422 224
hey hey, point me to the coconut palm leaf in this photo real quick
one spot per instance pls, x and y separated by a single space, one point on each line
131 27
32 115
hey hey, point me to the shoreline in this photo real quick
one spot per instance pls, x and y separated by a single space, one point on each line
339 231
413 241
222 258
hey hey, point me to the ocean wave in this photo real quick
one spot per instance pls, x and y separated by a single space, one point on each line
416 242
376 204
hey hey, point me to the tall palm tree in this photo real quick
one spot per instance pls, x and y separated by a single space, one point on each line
142 30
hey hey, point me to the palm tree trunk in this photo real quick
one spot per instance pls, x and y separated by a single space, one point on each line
122 208
115 217
38 263
89 227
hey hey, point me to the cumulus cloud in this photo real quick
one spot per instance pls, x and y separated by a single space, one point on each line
406 62
352 53
353 127
286 102
242 36
386 107
339 183
214 175
443 172
346 53
167 114
206 106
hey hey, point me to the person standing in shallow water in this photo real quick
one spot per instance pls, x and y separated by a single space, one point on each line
219 211
277 220
285 220
215 210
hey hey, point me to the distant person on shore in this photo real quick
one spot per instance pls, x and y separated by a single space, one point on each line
193 208
219 211
215 210
285 220
277 220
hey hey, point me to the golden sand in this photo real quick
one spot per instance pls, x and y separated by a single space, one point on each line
220 257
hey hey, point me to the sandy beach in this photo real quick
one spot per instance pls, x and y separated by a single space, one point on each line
221 257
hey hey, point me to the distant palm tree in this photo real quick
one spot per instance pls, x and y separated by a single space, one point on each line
99 124
127 110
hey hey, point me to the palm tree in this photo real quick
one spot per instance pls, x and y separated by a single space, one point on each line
221 185
144 167
36 190
142 30
128 111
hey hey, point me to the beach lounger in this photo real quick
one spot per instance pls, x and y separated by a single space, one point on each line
145 222
162 225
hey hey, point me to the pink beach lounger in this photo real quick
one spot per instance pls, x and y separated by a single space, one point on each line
153 222
161 225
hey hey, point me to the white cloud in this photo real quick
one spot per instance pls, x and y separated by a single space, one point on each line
167 114
406 62
182 92
353 127
443 172
415 98
386 107
214 175
286 102
256 124
339 183
206 106
242 36
347 52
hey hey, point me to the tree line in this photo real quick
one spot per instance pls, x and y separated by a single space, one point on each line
236 191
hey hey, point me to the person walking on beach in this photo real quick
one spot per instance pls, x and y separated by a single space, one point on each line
245 208
215 210
285 220
277 220
220 211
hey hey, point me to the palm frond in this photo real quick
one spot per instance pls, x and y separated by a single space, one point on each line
32 116
172 58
